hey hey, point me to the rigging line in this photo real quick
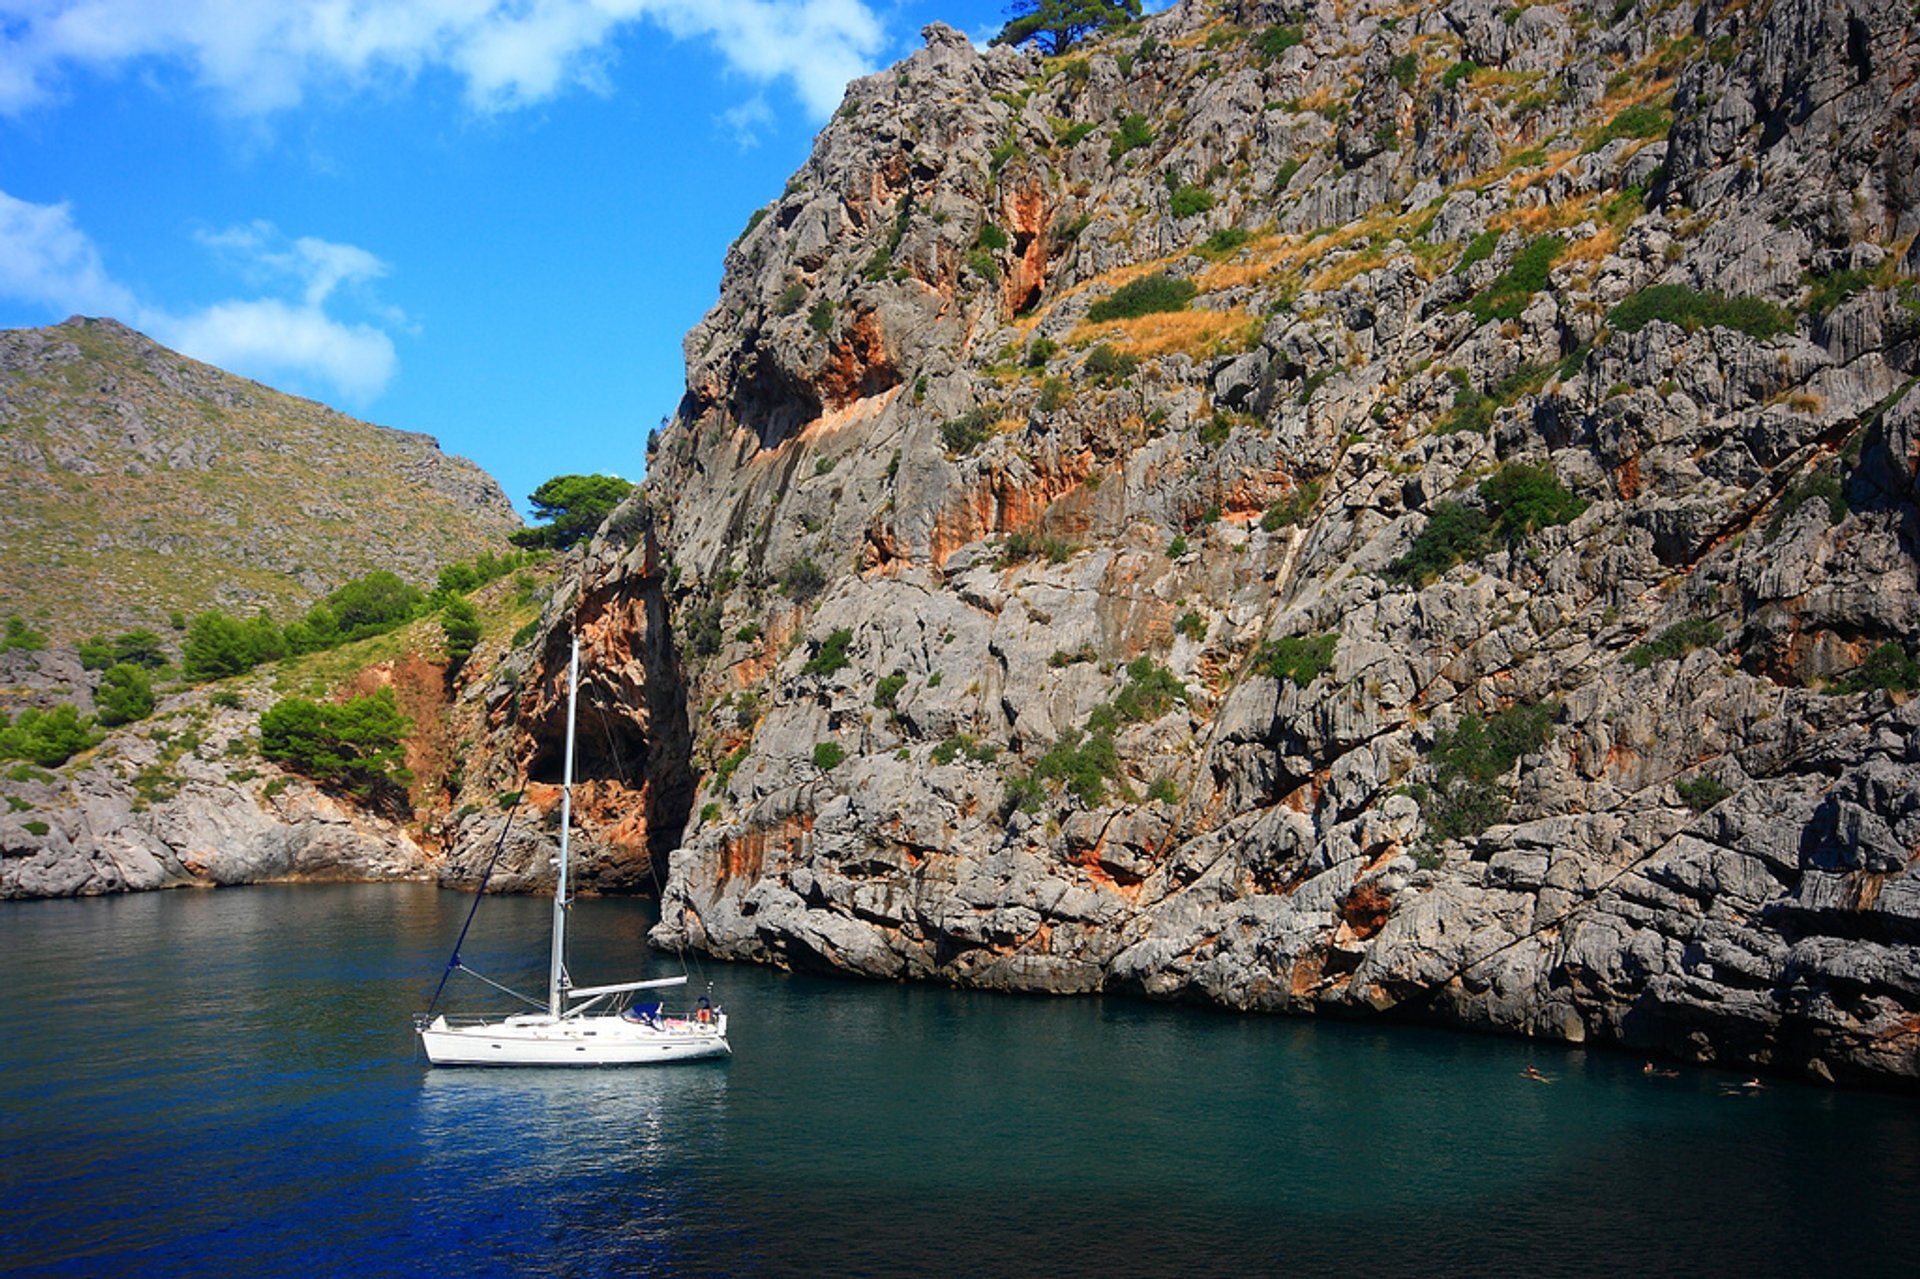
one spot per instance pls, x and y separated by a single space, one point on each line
479 976
453 961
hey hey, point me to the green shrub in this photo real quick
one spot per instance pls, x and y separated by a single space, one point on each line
827 755
1075 134
1177 547
1471 410
802 580
1187 202
820 316
1676 641
1824 484
1463 808
1300 659
1478 249
48 737
1691 309
356 745
1105 364
1145 296
1040 351
790 298
1458 72
709 812
1525 497
1453 534
35 827
887 690
1888 667
967 432
1470 756
1193 626
1526 275
140 648
1702 792
125 694
1083 763
1520 498
1162 790
1149 693
1055 392
831 656
1223 242
1292 509
460 625
21 636
992 237
1215 430
1643 120
1133 134
1405 69
1276 40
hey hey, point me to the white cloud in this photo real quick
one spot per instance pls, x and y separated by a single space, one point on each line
267 336
49 262
258 56
746 120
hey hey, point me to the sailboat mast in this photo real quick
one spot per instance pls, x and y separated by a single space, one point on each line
558 968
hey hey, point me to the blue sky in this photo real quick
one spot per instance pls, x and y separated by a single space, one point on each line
488 220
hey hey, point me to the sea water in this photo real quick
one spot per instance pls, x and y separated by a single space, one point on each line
199 1083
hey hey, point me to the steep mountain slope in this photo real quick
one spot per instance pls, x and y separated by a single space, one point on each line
135 483
1492 596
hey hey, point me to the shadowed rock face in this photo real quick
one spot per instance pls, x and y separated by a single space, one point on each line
978 628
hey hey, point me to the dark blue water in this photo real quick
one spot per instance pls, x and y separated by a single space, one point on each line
226 1083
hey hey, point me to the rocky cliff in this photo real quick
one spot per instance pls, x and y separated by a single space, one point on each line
136 483
1354 508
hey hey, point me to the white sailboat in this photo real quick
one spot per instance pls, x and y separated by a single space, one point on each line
582 1025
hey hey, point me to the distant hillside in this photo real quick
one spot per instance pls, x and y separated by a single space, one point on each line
135 482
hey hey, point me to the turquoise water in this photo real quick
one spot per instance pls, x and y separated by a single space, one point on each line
227 1083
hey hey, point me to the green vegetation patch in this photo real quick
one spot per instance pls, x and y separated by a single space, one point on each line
964 434
1298 659
1676 641
1691 309
356 745
1145 296
1889 667
1526 275
1702 792
831 655
1133 133
1520 498
48 737
1643 120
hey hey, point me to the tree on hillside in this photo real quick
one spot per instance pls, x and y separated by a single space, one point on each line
125 694
373 604
1060 24
140 648
218 645
573 506
356 745
461 624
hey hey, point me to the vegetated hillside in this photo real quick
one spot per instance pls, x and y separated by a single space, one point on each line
136 483
1361 508
194 794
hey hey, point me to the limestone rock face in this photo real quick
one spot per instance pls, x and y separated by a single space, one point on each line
169 803
1492 596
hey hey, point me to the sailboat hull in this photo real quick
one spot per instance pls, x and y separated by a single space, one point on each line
572 1041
